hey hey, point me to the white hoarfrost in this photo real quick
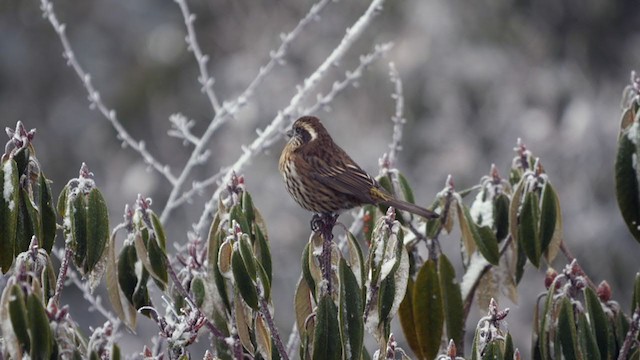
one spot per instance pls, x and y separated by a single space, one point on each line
7 186
476 265
482 209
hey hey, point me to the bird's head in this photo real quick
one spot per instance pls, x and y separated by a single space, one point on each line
306 130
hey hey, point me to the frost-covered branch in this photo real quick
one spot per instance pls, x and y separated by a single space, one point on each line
228 111
398 118
204 79
181 129
351 78
94 96
284 117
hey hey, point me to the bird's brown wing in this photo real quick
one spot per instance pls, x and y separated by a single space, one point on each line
345 177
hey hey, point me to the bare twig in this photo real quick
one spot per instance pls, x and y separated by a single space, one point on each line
62 274
228 110
398 118
204 79
274 129
94 95
632 335
264 310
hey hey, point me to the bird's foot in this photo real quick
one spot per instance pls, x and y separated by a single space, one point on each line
324 223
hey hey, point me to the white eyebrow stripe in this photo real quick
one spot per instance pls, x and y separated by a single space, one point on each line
310 130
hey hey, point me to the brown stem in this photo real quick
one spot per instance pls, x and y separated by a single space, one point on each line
264 309
326 222
632 335
62 275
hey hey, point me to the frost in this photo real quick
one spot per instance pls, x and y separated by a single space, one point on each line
477 264
7 186
386 268
482 209
372 322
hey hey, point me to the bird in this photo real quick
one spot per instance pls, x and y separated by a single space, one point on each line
322 178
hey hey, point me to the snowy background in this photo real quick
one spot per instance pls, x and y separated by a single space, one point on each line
477 75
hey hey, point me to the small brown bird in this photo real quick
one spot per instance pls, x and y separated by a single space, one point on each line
322 178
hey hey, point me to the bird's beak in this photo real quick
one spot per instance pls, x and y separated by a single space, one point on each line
289 133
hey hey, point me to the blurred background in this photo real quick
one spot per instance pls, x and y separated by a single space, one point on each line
477 76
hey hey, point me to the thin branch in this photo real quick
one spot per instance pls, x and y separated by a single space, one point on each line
273 130
398 118
94 95
62 274
204 79
264 310
229 110
632 335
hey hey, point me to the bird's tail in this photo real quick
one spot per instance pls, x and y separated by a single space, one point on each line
414 209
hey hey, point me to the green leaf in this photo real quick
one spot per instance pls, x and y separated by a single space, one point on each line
407 319
97 228
62 201
599 323
264 279
243 280
199 292
548 216
452 301
306 271
47 213
302 305
501 216
123 309
8 213
547 316
18 316
247 207
587 340
326 339
263 252
237 215
406 189
492 351
356 259
428 310
635 299
484 239
244 244
508 347
351 309
41 340
157 261
78 215
28 222
528 231
158 229
127 279
567 331
626 181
